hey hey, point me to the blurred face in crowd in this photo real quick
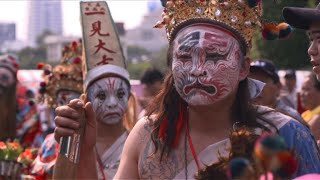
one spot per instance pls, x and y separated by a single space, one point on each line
65 96
109 97
290 83
270 92
206 64
7 79
149 92
310 96
314 48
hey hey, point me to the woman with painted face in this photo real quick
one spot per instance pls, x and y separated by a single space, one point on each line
205 96
109 103
113 105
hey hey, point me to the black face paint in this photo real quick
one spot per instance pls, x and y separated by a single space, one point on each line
189 41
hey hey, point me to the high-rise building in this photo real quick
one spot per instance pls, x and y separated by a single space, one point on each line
7 32
44 15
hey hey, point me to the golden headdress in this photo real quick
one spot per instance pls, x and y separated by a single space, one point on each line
67 75
241 17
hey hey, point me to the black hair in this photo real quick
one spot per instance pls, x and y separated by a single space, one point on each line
151 76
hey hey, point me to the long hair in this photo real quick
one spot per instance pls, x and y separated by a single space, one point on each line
8 112
130 116
166 105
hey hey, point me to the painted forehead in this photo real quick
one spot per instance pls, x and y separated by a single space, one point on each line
109 83
203 35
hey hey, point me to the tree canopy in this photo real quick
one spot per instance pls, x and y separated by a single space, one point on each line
289 53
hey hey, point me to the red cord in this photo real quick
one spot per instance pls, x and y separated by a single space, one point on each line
195 157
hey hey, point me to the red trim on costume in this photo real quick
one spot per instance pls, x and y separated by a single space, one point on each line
178 126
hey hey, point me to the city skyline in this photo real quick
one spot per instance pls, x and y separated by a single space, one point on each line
44 15
129 12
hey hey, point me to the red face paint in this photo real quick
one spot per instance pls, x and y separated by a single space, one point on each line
206 64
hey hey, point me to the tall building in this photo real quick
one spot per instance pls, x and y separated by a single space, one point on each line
44 15
144 35
7 32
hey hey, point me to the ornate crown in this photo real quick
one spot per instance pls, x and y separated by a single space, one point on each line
67 75
242 17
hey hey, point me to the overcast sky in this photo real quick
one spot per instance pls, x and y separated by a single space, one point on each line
128 11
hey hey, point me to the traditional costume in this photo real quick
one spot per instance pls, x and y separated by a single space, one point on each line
241 19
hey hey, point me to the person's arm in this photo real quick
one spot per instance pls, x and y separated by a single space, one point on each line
128 168
314 124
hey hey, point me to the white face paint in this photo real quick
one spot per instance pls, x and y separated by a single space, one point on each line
109 97
65 96
7 79
206 64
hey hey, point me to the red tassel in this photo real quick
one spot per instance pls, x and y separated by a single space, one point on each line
178 126
162 129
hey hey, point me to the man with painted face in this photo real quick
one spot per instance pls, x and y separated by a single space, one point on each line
307 19
8 111
205 96
110 101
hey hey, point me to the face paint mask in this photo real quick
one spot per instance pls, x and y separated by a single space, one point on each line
109 97
206 64
6 79
65 96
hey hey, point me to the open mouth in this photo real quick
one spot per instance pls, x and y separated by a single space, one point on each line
196 85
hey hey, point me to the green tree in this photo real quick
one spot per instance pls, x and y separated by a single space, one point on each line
136 52
29 57
289 53
136 70
159 60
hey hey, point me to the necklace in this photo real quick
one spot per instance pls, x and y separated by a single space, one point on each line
188 138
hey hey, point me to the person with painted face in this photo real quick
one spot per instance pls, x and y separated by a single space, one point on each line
110 109
265 71
8 105
307 19
204 97
61 84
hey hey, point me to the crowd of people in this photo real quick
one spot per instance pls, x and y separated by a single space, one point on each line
215 113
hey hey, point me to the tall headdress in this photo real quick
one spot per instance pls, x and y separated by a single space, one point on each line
241 17
67 75
102 50
10 62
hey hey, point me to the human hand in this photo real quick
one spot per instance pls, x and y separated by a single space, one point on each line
68 118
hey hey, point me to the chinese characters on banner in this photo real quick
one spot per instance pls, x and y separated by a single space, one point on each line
100 40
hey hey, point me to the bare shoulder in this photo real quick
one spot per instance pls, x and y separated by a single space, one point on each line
139 135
